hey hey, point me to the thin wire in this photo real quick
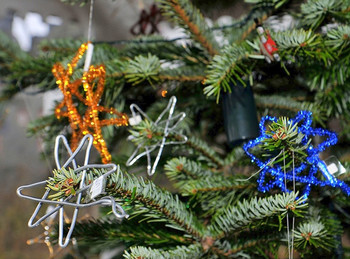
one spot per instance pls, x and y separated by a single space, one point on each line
271 161
118 211
90 19
293 214
141 41
285 185
167 129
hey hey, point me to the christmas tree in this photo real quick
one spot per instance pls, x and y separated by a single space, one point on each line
194 172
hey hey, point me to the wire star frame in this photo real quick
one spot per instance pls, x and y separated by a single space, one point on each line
170 124
311 165
118 211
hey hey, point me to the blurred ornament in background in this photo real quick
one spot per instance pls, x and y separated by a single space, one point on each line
240 117
276 23
25 29
148 22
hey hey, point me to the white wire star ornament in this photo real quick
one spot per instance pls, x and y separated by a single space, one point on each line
170 125
88 190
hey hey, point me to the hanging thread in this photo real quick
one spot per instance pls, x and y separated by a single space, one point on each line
293 220
269 163
90 20
285 185
290 234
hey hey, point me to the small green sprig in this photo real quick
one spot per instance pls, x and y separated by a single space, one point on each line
318 231
143 68
146 133
64 182
285 140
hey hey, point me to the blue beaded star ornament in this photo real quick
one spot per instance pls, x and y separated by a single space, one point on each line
167 125
84 197
275 173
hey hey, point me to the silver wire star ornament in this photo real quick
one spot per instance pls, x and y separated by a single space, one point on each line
168 125
87 193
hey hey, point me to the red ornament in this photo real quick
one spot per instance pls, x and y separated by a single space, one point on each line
270 45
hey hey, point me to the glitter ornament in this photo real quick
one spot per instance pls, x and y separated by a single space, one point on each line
305 171
88 90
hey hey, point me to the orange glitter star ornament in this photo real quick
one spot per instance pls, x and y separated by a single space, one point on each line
88 89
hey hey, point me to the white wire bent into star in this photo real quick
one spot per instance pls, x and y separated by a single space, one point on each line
116 208
161 143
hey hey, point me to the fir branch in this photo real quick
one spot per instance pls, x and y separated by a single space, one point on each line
335 100
142 68
339 38
190 18
36 71
289 104
227 249
149 68
330 78
62 47
318 231
191 251
202 148
296 39
299 45
64 182
212 203
224 70
313 232
216 183
188 54
158 201
235 156
142 197
29 72
9 52
106 230
181 78
181 169
247 212
315 11
181 73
